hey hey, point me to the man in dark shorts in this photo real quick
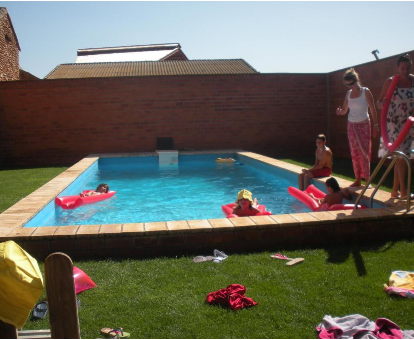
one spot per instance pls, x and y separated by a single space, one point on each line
323 164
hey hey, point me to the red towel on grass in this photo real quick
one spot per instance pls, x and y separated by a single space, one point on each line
232 296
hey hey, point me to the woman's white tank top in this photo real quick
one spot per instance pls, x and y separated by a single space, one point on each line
358 107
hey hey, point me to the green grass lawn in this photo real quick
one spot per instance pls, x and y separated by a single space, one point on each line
16 184
165 297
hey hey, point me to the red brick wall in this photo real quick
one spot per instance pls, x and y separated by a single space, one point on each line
60 121
9 52
373 76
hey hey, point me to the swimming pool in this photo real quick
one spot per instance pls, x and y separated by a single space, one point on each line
387 220
194 189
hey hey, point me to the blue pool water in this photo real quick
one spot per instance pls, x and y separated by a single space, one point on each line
195 189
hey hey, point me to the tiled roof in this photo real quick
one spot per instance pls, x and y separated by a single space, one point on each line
24 75
176 54
127 53
151 68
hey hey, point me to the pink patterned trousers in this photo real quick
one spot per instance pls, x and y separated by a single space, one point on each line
359 136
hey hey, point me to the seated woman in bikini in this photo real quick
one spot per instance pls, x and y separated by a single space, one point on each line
335 194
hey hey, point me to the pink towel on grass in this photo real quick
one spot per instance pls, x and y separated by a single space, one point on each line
358 327
386 329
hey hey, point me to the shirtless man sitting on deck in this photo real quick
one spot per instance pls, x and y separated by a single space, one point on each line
323 164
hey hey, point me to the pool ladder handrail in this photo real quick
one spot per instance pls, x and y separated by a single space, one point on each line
396 155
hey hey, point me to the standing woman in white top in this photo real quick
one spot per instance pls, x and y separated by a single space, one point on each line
357 100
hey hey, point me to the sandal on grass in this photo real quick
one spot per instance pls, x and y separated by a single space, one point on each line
198 259
40 311
218 253
115 333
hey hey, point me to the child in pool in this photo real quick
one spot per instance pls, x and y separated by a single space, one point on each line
102 188
245 205
335 194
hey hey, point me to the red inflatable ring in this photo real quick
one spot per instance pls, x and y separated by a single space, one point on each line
228 210
384 132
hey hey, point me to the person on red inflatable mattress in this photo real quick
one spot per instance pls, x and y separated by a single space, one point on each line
323 164
335 194
102 188
245 205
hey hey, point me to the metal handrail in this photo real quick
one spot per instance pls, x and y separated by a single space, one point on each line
396 155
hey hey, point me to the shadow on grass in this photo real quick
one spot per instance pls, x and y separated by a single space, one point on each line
340 254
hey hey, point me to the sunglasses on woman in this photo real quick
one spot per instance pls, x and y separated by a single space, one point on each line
350 84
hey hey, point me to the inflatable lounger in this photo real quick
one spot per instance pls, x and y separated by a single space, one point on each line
225 160
304 197
73 202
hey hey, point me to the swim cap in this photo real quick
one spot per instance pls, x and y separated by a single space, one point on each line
245 194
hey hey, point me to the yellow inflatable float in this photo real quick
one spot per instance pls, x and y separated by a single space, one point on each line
225 160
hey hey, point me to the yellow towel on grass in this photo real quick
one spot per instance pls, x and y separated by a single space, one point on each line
21 284
402 279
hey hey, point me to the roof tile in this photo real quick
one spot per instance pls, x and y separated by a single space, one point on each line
151 68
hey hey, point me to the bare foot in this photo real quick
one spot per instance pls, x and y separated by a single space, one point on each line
403 194
356 184
395 194
369 186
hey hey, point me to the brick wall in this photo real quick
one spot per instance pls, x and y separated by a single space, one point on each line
61 121
46 122
373 76
9 51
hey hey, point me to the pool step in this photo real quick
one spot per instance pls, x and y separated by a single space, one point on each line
167 157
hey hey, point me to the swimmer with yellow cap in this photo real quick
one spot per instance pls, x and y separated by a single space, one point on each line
245 205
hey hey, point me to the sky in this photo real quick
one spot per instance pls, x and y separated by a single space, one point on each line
273 37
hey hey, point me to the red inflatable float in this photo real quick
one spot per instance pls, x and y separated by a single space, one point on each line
73 202
82 280
384 132
304 197
228 210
